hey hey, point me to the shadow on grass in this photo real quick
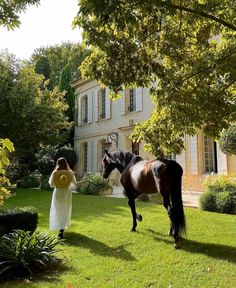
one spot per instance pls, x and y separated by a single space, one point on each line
213 250
98 248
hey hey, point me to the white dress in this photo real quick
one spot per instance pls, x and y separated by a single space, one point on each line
61 205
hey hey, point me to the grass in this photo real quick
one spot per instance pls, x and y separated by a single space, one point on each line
99 251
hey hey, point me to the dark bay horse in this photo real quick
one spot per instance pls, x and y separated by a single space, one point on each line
139 176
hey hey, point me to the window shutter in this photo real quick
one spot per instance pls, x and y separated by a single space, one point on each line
95 156
122 102
139 99
221 162
90 107
193 155
107 104
96 99
79 111
89 157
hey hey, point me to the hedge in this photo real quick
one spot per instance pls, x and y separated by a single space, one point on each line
23 218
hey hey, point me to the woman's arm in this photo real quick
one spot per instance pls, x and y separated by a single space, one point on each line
50 181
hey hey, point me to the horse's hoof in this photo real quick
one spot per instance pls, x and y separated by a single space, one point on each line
139 218
133 230
176 246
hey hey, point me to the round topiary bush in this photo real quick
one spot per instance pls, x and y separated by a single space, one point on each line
227 141
224 202
208 201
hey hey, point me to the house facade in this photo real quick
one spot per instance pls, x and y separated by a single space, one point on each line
102 121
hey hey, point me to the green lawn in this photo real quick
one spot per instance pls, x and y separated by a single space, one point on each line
100 252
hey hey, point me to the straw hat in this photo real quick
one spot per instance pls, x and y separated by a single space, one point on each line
62 178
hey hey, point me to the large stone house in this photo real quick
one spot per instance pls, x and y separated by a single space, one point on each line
101 120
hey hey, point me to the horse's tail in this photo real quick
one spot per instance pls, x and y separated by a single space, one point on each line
176 199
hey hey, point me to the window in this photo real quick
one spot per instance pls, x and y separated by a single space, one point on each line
84 109
132 100
135 148
210 155
85 157
102 104
171 156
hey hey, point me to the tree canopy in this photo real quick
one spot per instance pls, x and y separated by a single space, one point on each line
58 56
187 47
30 114
227 140
10 10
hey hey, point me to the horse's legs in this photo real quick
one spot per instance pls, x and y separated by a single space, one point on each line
166 203
174 231
131 203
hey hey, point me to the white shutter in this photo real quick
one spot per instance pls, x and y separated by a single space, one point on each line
181 160
107 104
95 156
122 102
89 156
96 99
221 162
90 107
79 111
193 155
139 99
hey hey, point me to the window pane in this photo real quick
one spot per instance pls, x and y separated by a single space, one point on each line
103 104
132 100
208 154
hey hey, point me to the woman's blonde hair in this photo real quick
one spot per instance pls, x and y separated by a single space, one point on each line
62 164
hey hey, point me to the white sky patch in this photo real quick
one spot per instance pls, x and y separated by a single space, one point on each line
47 24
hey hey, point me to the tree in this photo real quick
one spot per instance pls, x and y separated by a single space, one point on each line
9 11
31 115
65 86
59 56
6 146
227 140
42 67
187 47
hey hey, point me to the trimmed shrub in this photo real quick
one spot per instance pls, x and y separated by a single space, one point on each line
208 201
24 218
28 182
24 254
44 183
224 202
220 195
227 141
93 184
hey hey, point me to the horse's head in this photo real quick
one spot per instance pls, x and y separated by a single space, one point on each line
109 163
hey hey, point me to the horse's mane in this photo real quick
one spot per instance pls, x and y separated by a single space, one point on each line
125 158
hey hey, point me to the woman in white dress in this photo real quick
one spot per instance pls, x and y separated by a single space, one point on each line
61 179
